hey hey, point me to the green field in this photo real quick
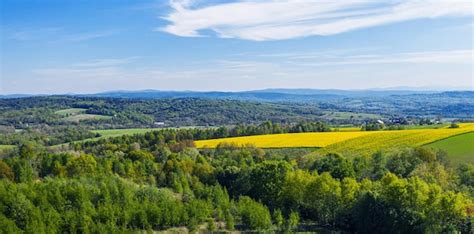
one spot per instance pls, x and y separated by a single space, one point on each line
121 132
131 131
359 142
112 133
460 148
70 111
79 114
389 140
107 133
80 117
348 115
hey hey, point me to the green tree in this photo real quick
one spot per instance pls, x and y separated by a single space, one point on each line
293 221
253 215
323 199
140 155
5 171
338 166
267 180
293 190
82 164
466 174
278 219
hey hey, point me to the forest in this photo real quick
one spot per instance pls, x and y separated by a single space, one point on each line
205 111
159 181
59 174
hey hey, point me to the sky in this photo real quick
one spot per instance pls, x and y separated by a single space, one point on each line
90 46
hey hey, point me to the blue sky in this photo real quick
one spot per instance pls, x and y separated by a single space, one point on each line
79 46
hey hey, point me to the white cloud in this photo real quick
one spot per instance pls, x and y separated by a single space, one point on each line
97 68
90 35
285 19
106 62
31 34
55 34
429 57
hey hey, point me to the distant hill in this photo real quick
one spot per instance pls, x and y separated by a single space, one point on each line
271 95
345 93
18 96
247 95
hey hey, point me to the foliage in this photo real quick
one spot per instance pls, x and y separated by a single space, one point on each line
254 216
373 126
387 140
293 221
454 125
159 180
338 166
47 135
127 113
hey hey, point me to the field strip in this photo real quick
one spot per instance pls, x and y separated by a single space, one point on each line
357 142
385 140
287 140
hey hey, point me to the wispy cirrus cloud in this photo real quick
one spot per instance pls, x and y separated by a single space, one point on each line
329 58
97 68
106 62
286 19
258 65
56 34
90 35
351 69
31 34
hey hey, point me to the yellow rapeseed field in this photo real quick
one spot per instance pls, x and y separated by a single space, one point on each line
384 140
311 139
358 141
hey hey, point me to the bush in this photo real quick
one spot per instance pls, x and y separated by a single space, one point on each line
338 166
293 221
454 125
253 215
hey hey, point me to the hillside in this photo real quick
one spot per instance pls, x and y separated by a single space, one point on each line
217 108
357 143
460 148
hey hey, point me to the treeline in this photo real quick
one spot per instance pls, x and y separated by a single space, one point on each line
159 180
266 127
45 135
54 135
127 113
180 135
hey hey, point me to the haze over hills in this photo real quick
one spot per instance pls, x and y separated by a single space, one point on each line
264 94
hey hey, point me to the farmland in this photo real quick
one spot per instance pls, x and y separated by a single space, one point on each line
289 140
79 114
360 143
158 167
107 133
386 140
121 132
81 117
460 148
70 111
236 116
349 115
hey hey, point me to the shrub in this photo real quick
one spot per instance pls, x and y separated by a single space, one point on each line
254 216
